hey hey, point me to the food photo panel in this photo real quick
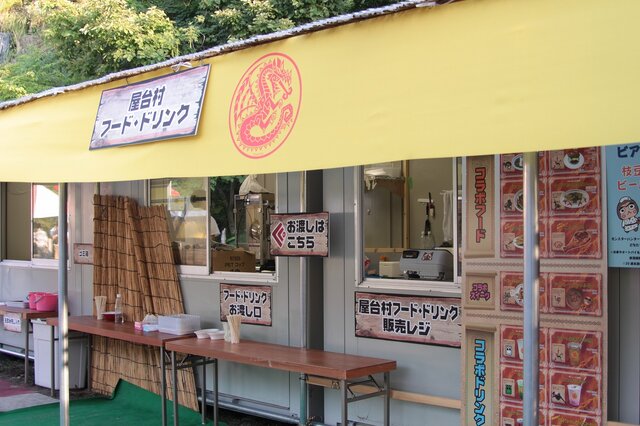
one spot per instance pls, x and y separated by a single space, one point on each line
512 385
512 238
574 161
575 350
512 291
512 345
575 238
574 392
557 418
512 415
575 195
575 294
512 165
512 198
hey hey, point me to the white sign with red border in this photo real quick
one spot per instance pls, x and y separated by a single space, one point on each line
300 234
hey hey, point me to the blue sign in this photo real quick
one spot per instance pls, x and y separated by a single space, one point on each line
623 196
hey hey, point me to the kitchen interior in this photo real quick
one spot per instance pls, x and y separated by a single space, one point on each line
408 209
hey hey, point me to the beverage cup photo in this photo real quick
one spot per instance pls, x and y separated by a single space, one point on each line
574 353
521 348
575 392
520 388
101 302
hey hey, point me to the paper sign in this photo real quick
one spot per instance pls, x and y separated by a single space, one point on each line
427 320
253 303
12 322
301 234
623 227
479 363
480 209
83 254
161 108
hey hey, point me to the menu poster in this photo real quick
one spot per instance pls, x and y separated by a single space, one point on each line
571 419
512 291
480 209
512 415
575 195
623 227
577 238
512 385
576 294
574 392
578 350
512 345
574 161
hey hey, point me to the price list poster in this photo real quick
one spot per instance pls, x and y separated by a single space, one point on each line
573 289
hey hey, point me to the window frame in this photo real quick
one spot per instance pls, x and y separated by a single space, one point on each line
17 263
205 272
433 288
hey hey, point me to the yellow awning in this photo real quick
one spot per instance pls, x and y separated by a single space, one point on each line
473 77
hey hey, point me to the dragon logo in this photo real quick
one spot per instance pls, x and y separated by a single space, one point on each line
265 105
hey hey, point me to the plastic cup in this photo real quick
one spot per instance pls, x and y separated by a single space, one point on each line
575 348
575 392
521 348
520 388
101 302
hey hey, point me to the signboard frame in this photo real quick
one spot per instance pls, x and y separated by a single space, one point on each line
278 231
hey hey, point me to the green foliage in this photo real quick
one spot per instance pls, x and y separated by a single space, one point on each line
85 39
101 36
37 69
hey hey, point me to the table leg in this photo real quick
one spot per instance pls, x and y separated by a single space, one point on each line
174 378
203 384
26 351
387 395
163 386
53 361
343 395
215 392
89 348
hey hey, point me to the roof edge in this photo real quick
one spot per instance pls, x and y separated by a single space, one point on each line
232 47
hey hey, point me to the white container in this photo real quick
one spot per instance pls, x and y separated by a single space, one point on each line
390 269
178 324
204 333
216 335
42 357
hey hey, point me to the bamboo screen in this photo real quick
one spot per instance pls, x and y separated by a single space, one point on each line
132 256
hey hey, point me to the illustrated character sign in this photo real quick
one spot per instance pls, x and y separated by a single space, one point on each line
265 105
628 213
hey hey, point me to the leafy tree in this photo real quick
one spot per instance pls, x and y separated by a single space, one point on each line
37 69
101 36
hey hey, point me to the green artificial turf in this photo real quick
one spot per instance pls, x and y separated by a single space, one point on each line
129 405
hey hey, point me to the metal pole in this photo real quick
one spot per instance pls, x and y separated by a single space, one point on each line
531 290
63 321
304 313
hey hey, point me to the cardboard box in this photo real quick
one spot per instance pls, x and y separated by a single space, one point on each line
233 260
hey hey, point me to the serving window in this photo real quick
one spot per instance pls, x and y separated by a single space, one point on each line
218 224
411 221
30 209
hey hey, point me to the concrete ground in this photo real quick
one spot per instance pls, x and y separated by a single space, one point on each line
14 394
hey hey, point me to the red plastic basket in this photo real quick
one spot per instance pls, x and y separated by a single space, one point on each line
47 302
34 296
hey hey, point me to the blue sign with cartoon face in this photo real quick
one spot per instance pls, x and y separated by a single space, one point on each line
623 195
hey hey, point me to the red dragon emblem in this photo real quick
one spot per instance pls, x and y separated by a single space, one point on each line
265 105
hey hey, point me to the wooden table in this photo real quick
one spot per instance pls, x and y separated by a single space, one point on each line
27 315
94 327
336 366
